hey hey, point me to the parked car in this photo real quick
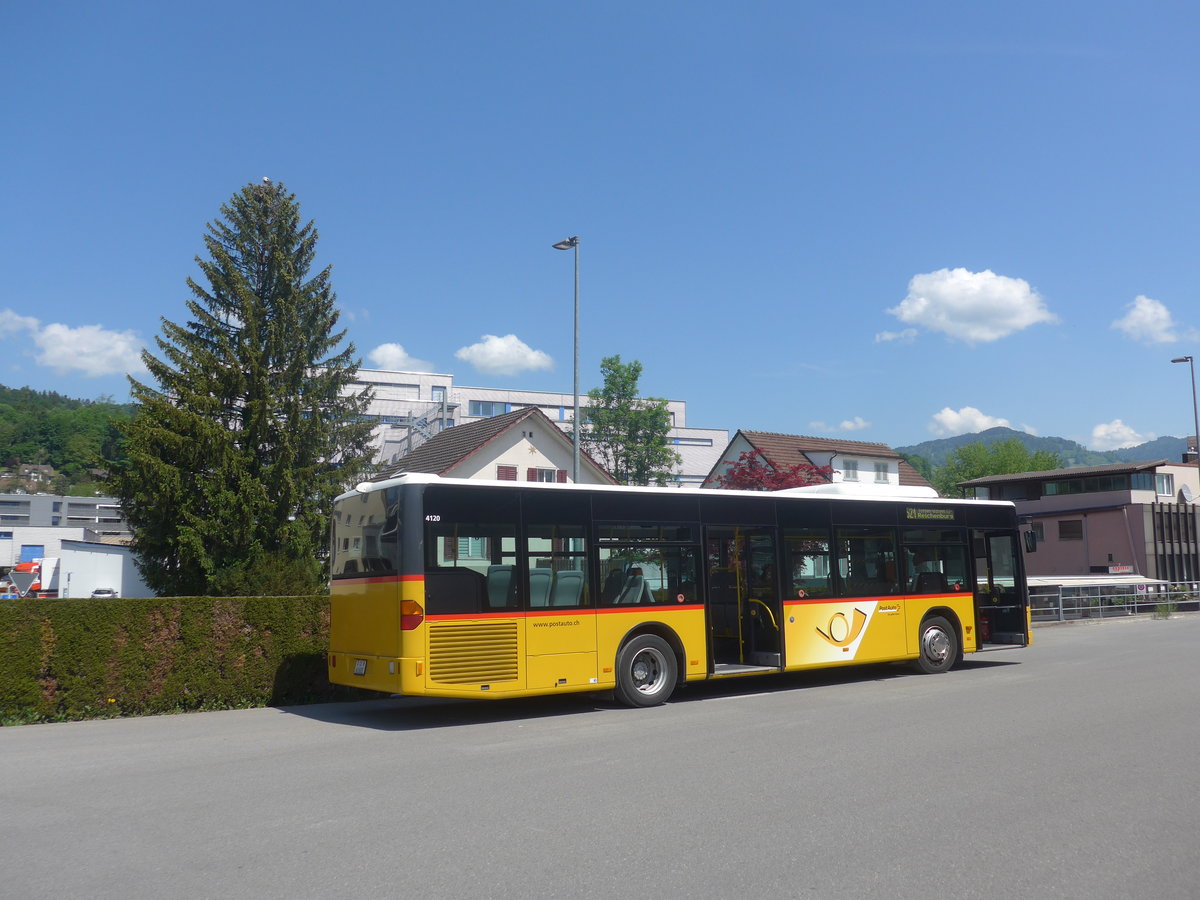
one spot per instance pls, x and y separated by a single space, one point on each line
105 592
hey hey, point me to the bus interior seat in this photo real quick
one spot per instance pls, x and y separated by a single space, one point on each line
612 586
568 588
635 585
499 585
539 587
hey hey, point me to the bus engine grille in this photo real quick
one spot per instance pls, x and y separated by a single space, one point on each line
466 654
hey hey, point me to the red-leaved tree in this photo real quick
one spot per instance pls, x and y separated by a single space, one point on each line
752 472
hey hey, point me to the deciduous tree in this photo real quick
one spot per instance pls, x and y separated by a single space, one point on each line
978 459
236 453
754 472
625 433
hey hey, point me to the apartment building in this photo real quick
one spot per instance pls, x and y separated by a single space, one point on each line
99 515
411 407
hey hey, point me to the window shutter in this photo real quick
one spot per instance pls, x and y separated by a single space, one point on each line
531 475
506 473
562 476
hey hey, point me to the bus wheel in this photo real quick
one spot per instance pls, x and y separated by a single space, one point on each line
646 671
939 646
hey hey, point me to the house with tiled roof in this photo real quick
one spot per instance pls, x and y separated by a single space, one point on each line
863 462
522 445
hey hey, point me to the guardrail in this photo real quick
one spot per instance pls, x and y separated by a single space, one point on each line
1062 603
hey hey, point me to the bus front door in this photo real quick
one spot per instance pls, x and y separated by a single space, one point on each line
744 611
1000 607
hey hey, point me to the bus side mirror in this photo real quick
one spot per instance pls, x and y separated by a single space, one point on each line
1030 541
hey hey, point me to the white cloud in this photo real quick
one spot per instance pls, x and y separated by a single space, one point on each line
90 349
507 355
396 358
1149 322
967 420
856 424
1116 435
975 307
907 336
11 321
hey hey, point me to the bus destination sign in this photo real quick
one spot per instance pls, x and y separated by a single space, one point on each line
928 514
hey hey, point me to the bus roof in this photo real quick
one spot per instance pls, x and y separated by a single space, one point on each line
835 491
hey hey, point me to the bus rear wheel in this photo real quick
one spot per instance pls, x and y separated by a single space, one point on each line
938 646
646 671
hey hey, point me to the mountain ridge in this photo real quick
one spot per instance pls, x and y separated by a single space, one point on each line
1072 453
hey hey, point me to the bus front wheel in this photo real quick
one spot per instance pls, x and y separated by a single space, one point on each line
646 671
938 646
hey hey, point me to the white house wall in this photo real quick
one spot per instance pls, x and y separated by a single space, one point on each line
524 449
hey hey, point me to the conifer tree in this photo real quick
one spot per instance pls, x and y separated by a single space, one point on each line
234 456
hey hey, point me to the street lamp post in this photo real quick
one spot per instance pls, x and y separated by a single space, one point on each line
1195 417
572 243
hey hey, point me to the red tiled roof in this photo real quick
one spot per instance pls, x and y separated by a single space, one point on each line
785 450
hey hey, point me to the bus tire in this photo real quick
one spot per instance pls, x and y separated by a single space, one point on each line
938 646
646 671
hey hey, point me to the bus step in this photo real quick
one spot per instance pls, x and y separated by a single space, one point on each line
1006 637
722 670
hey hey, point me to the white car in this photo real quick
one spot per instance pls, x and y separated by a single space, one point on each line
105 592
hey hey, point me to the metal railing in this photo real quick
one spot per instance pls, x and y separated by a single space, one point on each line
1062 603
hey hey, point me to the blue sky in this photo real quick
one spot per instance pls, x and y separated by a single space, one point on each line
879 221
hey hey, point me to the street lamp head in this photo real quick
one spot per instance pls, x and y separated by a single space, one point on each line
1182 359
569 244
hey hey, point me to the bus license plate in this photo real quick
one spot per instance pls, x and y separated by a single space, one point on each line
360 667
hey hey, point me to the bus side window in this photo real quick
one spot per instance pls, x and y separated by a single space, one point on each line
935 561
807 550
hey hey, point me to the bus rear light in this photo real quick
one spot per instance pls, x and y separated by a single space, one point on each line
411 615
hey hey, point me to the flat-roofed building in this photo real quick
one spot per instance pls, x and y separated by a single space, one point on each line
1122 519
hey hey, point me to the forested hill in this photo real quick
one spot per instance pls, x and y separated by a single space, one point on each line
1072 454
75 437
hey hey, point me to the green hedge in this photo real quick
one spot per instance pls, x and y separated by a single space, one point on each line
76 659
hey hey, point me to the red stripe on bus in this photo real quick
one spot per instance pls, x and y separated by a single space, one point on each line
535 614
883 599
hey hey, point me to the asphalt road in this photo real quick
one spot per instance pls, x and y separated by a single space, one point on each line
1068 769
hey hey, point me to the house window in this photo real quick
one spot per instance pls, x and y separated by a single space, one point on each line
1039 531
1070 529
437 393
549 476
881 473
850 470
1164 485
506 473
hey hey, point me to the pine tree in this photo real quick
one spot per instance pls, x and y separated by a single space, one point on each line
627 434
235 456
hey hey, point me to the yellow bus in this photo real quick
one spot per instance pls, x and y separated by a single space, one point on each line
456 588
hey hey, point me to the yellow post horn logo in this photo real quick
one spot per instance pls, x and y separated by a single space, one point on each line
842 633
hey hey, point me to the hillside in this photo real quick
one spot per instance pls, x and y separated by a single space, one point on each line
78 439
938 452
